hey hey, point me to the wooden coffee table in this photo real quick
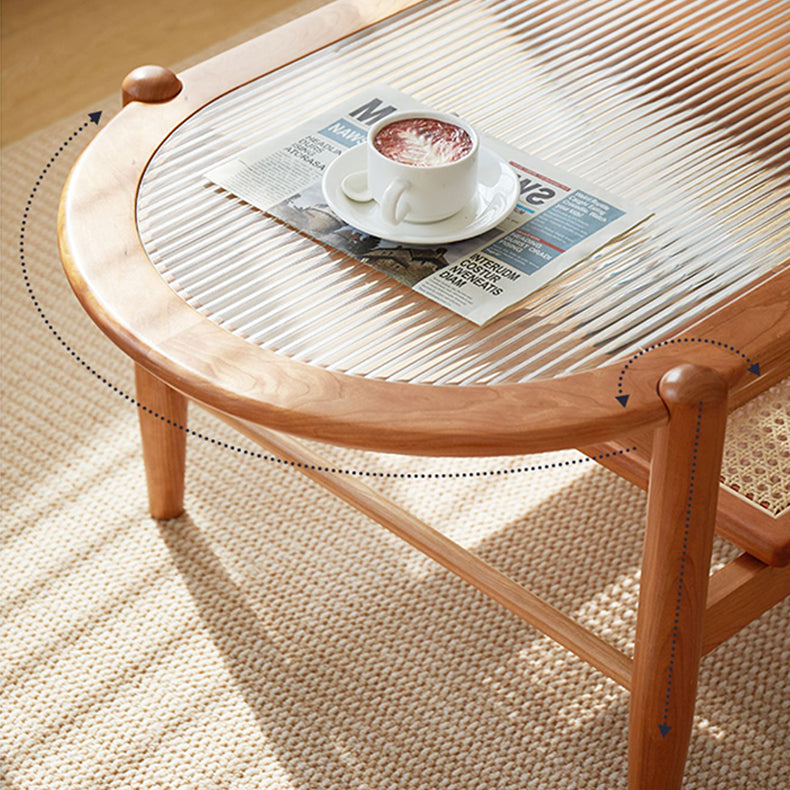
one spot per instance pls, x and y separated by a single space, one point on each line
688 315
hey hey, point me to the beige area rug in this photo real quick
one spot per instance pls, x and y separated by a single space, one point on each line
274 638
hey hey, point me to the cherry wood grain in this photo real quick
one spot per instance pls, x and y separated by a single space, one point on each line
739 593
163 418
754 529
675 570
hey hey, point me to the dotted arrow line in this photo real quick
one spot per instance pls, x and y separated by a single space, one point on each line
94 118
664 727
754 367
364 473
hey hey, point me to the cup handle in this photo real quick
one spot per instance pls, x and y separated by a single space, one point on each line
394 205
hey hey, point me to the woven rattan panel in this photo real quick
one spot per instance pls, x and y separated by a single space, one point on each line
757 451
682 106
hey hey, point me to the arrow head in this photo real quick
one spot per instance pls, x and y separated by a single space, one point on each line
665 728
623 399
94 116
755 368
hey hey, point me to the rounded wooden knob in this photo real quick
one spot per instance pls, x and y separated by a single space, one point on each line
150 84
688 384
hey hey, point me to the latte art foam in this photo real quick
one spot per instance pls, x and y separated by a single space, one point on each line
423 142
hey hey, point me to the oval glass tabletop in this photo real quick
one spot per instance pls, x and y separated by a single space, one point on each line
677 106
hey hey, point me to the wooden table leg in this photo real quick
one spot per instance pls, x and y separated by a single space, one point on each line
163 415
163 411
684 484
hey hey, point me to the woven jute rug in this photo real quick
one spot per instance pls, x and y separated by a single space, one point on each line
274 638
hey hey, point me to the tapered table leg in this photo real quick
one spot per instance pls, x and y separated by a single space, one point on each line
163 415
684 482
162 409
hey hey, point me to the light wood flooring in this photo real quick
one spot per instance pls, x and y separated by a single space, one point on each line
59 56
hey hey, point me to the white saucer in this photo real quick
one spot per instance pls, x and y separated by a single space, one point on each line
496 197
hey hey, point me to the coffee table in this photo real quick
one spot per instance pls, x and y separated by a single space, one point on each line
688 315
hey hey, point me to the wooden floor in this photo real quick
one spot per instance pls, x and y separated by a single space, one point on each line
59 56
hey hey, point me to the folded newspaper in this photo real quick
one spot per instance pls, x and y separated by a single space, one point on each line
559 219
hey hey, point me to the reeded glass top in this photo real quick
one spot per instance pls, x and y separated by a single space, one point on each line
680 105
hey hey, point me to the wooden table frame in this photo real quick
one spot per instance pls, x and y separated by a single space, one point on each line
680 395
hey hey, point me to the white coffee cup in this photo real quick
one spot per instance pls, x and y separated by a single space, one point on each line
408 192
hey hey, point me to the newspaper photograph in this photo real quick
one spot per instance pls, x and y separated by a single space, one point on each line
559 219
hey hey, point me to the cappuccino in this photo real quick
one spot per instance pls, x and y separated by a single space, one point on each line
423 142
